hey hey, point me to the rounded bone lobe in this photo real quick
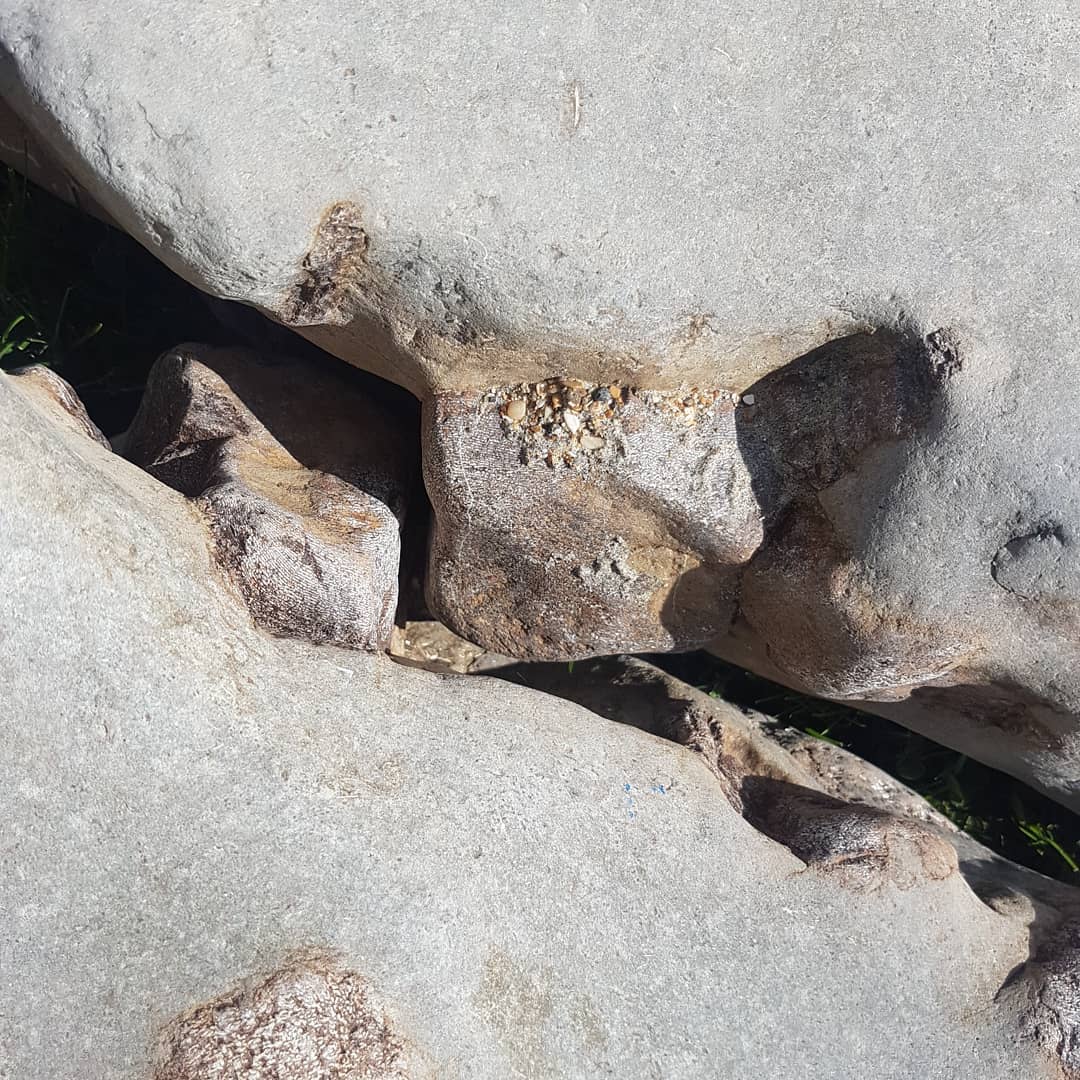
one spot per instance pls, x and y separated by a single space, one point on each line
311 1019
57 396
861 847
826 621
302 480
635 545
1044 993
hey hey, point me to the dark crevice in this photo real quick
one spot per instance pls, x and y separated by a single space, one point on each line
996 809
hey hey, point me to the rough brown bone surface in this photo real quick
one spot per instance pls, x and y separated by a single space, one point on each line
840 525
1045 993
862 847
309 1020
301 479
633 542
566 530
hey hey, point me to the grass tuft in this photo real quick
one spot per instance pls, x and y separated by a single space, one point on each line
87 300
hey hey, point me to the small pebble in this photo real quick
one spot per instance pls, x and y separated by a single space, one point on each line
591 442
514 410
572 421
748 399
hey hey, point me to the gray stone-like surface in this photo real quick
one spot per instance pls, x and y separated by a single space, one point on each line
863 530
21 149
57 397
846 818
507 885
751 753
702 194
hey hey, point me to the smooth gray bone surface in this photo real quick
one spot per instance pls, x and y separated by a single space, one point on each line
406 873
711 194
863 530
696 193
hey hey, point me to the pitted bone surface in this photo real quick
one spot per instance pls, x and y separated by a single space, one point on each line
300 478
